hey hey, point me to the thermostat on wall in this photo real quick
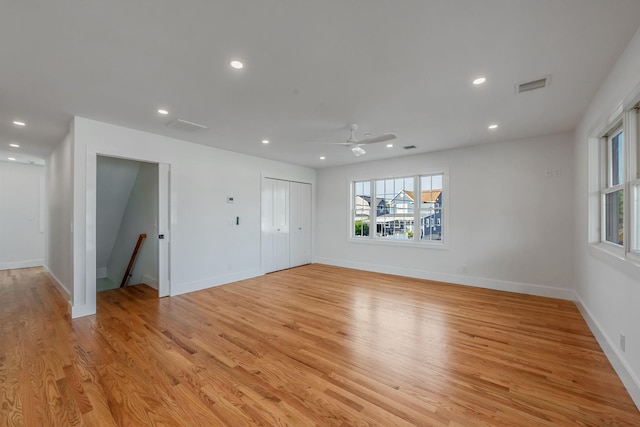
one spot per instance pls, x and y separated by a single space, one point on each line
229 199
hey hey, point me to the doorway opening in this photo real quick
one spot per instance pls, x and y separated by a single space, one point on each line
126 210
145 185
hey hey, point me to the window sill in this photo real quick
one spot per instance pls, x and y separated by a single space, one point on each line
615 257
401 243
609 249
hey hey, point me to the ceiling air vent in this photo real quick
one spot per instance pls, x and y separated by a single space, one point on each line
533 85
185 125
409 147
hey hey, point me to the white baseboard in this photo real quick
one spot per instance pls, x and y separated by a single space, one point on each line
199 285
480 282
74 310
101 272
617 360
21 264
58 284
150 281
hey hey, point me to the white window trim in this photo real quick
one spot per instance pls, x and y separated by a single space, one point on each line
414 242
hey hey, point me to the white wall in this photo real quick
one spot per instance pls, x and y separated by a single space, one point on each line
509 224
21 223
59 248
140 216
206 250
608 289
115 179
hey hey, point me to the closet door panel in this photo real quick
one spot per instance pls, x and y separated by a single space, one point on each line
281 224
267 225
300 224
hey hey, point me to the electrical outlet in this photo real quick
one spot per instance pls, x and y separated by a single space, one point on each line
623 342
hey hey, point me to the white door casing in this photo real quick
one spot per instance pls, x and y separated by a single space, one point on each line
164 243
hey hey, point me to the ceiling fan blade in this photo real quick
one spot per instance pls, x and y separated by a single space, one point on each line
381 138
328 143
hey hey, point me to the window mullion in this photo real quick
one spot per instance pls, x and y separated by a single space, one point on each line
373 213
417 204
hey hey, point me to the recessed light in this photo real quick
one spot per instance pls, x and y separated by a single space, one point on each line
265 141
322 157
14 145
389 145
236 64
493 126
11 158
479 80
19 123
163 112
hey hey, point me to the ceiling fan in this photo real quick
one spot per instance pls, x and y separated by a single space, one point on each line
356 144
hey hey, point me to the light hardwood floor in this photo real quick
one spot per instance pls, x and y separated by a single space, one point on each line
315 345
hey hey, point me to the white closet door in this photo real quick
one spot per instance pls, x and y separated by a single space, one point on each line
275 224
300 229
281 223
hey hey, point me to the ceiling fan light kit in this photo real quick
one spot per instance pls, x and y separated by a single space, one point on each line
358 151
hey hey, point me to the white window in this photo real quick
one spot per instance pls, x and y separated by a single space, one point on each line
431 206
362 206
396 218
619 187
633 119
405 209
613 189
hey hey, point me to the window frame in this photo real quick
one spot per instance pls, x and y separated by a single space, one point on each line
412 241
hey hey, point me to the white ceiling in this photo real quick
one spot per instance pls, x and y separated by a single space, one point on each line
311 68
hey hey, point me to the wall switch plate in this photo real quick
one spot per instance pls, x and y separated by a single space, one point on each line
623 342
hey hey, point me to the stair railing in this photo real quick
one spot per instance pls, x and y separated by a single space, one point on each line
127 273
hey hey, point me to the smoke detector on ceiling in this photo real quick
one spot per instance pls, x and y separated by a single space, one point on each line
533 84
185 125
